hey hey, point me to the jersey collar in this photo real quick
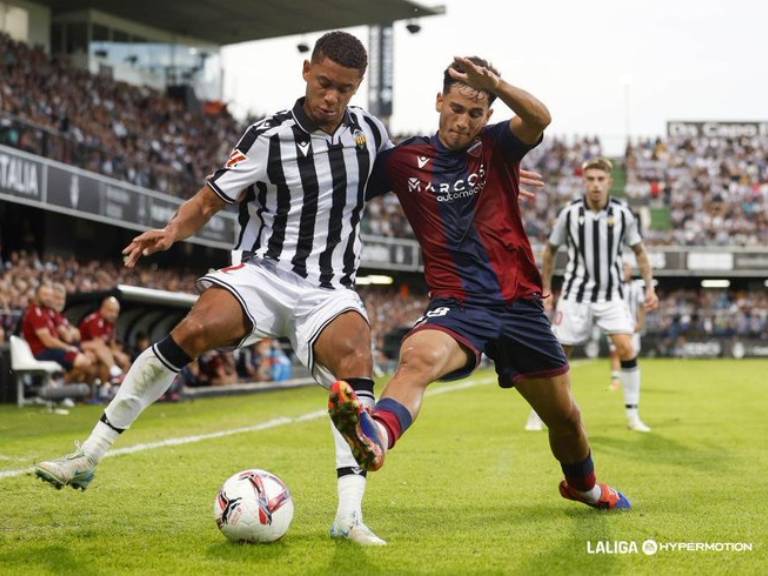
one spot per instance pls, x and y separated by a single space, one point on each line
603 209
474 149
307 124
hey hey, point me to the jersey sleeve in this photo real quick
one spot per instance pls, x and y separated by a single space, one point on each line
380 181
246 165
559 231
632 236
37 319
510 145
386 142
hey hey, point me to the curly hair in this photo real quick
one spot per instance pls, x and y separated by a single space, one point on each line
342 48
449 80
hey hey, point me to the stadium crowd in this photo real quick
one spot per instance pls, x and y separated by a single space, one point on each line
133 133
692 312
715 189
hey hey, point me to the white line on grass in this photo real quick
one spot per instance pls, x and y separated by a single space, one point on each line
274 423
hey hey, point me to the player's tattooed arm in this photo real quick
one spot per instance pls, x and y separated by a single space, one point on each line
644 264
532 116
188 219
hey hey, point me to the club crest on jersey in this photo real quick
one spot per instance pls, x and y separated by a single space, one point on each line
611 221
422 161
235 158
360 139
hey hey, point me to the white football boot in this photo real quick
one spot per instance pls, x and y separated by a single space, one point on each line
76 470
355 531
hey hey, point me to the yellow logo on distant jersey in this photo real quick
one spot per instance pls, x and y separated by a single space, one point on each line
360 139
611 221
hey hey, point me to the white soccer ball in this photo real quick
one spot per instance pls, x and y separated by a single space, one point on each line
253 506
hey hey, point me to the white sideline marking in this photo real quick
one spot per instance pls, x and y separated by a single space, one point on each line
274 423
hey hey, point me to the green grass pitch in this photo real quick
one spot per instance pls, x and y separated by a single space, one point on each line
467 491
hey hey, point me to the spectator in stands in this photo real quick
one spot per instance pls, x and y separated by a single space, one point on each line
134 133
97 333
41 333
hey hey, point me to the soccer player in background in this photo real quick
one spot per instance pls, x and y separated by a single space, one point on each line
634 290
459 190
299 177
596 228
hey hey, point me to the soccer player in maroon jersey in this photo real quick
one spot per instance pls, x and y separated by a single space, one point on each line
459 190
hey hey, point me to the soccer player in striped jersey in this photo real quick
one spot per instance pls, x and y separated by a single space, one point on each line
459 190
299 177
596 228
634 291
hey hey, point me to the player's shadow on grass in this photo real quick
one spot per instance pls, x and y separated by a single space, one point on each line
54 559
351 558
230 551
570 555
661 450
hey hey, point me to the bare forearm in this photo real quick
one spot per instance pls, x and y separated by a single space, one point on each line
50 341
530 109
644 264
194 214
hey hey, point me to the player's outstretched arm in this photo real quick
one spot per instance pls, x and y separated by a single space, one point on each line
532 115
190 217
644 264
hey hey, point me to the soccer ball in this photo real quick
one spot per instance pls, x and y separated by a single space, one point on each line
253 506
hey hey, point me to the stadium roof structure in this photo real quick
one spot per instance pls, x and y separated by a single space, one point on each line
231 21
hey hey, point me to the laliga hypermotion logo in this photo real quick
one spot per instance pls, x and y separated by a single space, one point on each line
450 191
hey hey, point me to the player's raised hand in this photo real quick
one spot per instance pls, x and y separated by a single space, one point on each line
477 77
530 179
145 244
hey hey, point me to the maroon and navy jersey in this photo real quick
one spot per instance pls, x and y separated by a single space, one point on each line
463 208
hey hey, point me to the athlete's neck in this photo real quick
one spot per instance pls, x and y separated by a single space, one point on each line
597 206
328 128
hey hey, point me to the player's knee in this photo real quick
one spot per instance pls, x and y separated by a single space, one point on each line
424 362
626 351
191 336
352 357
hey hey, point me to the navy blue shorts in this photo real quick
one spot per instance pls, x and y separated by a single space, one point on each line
64 357
517 337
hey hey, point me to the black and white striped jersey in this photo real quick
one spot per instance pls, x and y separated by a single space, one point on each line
303 191
595 241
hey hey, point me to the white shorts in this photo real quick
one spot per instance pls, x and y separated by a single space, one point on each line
281 304
572 323
636 344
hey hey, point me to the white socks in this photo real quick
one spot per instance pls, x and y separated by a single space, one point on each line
350 486
146 381
630 382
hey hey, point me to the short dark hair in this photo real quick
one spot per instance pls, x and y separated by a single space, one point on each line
342 48
449 80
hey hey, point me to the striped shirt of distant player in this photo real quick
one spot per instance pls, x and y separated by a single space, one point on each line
595 242
304 191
